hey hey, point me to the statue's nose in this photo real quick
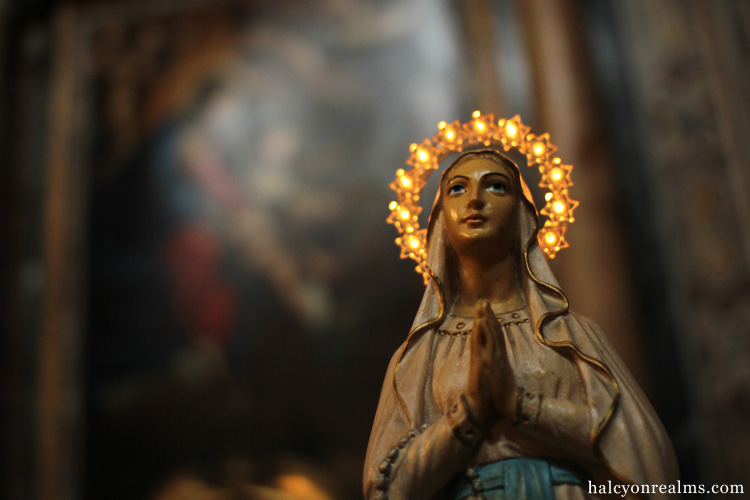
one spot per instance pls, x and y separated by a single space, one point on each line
475 201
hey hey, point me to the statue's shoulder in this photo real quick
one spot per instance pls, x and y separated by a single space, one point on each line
416 345
590 337
586 322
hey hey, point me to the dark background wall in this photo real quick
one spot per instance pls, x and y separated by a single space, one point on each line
198 286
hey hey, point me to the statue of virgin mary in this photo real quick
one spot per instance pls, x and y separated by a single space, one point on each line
500 391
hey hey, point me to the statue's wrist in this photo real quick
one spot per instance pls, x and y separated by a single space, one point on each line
464 422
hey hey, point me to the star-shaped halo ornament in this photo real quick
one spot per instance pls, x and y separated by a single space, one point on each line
453 138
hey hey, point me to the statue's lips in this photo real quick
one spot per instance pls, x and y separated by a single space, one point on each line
474 218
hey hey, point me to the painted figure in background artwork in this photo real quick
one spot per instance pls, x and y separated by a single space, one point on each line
499 391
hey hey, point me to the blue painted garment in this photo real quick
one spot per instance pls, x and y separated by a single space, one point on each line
517 478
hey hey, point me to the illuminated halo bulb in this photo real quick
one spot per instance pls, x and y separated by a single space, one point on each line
450 135
414 243
539 148
404 214
510 129
556 174
392 206
422 155
559 207
405 182
550 238
479 125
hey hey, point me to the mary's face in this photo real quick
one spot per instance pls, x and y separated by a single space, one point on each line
480 203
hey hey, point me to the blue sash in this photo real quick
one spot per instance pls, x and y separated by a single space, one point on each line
516 479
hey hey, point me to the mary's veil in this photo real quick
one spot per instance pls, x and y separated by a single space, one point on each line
618 410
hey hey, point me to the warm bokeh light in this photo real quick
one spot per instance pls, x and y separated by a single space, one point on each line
510 129
301 487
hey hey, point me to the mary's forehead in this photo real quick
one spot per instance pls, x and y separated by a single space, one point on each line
473 166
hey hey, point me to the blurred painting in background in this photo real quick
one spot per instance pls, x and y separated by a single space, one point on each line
237 294
200 292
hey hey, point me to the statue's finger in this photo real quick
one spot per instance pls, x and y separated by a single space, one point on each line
487 310
480 335
481 309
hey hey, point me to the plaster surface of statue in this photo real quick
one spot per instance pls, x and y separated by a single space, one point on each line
499 391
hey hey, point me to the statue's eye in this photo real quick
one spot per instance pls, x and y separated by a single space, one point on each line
457 189
497 187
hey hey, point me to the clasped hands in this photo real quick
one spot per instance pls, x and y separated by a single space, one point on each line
491 385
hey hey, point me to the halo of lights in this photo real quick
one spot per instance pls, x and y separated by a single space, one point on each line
452 138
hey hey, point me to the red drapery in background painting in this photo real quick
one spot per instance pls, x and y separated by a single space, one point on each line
203 301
